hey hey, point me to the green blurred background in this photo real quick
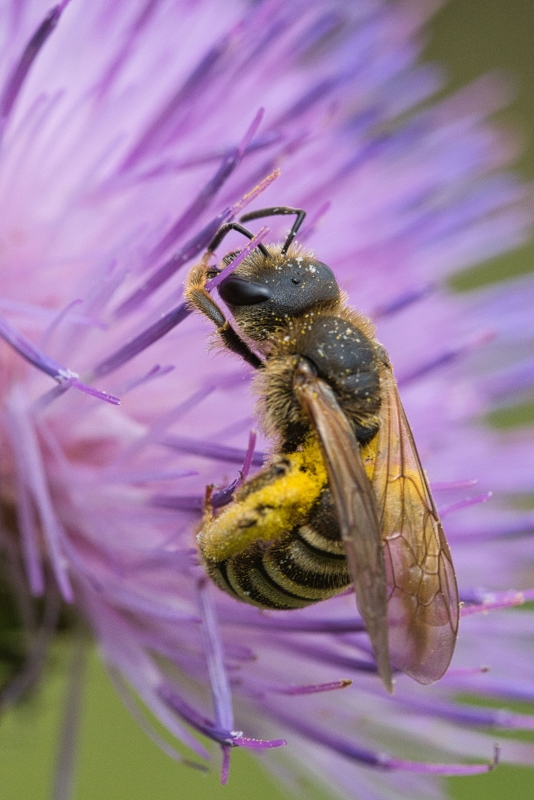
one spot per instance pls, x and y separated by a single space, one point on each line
116 760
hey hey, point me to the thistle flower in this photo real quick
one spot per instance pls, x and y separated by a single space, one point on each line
130 132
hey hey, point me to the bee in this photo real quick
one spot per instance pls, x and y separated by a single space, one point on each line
343 499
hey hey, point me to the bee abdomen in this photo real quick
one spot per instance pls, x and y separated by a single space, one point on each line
302 568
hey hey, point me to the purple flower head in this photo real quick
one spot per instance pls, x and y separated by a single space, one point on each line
130 131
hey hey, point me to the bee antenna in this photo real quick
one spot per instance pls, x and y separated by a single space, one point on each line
275 211
234 226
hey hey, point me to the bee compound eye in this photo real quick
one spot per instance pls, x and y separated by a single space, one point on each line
240 292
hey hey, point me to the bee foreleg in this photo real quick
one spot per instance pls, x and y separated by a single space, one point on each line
199 298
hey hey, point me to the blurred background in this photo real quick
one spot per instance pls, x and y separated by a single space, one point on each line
116 760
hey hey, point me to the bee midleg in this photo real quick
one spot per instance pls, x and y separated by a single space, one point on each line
200 299
279 545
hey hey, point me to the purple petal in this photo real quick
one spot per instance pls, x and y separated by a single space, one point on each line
19 73
229 164
247 463
217 452
220 689
145 339
33 474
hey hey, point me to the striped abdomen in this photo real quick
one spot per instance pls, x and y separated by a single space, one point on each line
302 567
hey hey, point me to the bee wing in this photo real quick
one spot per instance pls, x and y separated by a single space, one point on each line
355 506
423 603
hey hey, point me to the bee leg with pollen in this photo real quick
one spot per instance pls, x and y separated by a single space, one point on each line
239 544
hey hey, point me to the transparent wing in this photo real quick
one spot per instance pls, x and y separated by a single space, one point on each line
423 603
355 506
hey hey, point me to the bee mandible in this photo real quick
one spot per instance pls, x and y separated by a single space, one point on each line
344 499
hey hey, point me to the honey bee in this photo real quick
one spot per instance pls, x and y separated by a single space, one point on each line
344 499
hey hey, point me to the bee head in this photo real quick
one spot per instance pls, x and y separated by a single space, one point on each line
264 292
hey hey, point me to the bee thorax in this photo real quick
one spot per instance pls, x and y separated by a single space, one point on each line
341 354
